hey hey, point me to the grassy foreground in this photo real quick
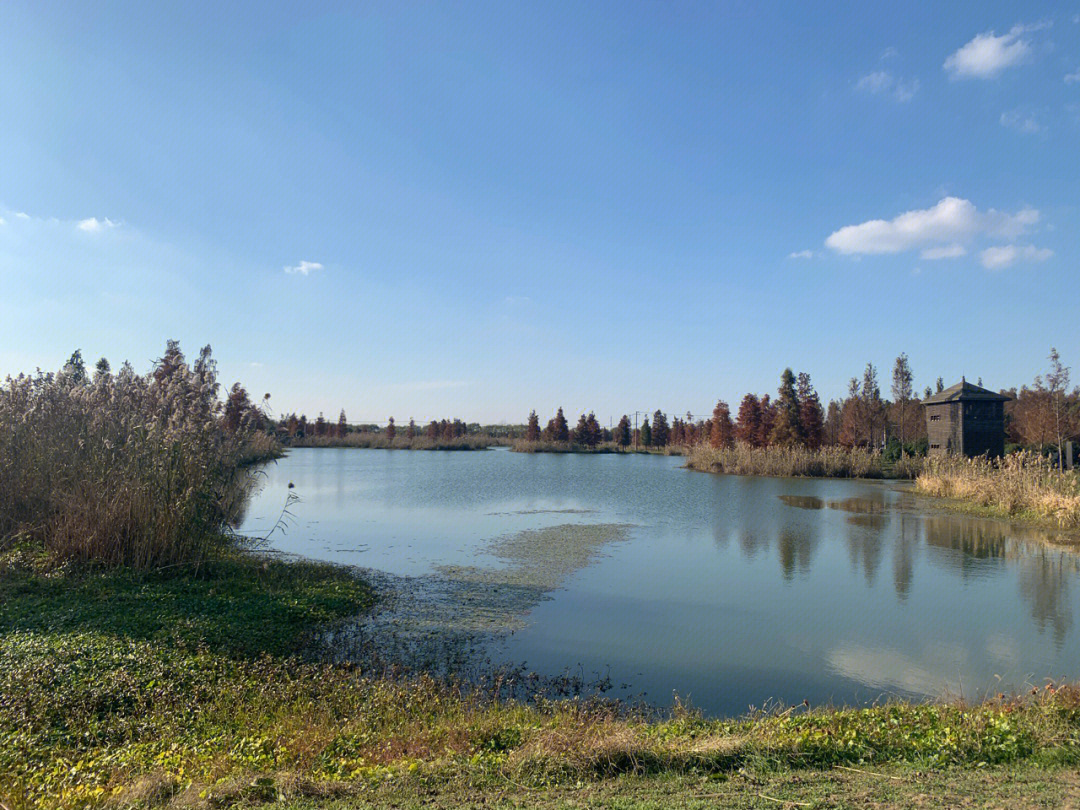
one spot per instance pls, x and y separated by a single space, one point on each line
158 690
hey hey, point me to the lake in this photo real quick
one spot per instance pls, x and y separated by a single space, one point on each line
728 591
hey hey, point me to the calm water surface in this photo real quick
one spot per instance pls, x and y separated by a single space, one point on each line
729 591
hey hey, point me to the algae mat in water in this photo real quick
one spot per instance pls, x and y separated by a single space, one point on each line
440 620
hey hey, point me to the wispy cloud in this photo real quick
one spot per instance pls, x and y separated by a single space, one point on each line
95 225
1021 122
889 53
1072 78
1002 256
987 55
953 221
875 82
801 254
304 268
953 251
881 81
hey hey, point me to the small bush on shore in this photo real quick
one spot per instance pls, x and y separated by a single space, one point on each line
1020 484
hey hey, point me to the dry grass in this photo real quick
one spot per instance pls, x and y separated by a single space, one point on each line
828 462
122 469
1022 484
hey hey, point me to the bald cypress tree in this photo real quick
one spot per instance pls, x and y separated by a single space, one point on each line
721 430
646 433
787 429
811 415
391 430
849 416
593 431
532 432
561 430
622 432
661 434
748 424
768 416
581 431
902 392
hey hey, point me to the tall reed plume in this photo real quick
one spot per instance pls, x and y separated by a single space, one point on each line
123 469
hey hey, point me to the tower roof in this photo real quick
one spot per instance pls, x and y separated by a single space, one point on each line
965 392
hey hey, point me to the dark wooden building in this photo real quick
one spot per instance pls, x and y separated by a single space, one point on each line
967 420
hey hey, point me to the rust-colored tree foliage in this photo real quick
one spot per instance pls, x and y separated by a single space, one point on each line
722 431
532 432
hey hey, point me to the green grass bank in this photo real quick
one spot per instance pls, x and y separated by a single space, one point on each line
199 688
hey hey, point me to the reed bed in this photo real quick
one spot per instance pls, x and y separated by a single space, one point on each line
828 462
124 469
1022 484
379 441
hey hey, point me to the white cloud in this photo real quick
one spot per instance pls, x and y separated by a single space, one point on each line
987 55
1015 119
1070 78
953 251
889 52
952 221
1001 256
304 268
875 82
2 221
21 215
905 91
95 225
881 81
801 254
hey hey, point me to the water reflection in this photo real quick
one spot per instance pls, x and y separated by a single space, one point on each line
1044 583
795 550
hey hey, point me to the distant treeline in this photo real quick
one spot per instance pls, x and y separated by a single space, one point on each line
444 434
1039 416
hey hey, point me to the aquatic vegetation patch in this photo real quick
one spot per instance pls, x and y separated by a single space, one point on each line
444 621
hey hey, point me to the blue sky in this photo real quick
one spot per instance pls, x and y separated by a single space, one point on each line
474 209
